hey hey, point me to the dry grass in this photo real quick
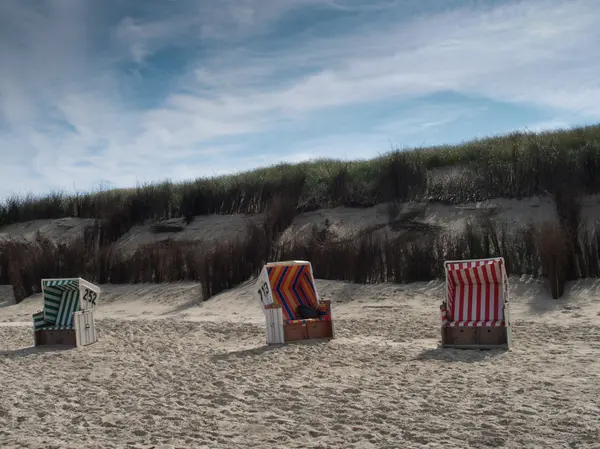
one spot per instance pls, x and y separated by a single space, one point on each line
564 164
398 253
514 166
552 243
216 265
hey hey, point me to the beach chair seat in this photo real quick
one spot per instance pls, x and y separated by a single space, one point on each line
475 312
281 288
67 317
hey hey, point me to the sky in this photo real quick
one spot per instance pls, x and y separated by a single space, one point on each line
103 94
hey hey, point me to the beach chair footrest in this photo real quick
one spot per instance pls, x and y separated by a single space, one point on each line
320 329
295 332
52 336
469 337
493 336
307 329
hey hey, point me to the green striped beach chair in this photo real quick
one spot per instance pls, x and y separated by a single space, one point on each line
68 314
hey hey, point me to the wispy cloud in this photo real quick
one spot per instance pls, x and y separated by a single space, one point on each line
186 89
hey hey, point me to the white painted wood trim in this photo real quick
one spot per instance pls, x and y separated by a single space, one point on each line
274 321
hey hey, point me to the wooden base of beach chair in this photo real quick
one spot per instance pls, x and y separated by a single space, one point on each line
474 337
320 329
308 331
295 332
62 337
83 332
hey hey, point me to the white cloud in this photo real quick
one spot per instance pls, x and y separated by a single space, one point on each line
142 39
541 53
528 52
547 125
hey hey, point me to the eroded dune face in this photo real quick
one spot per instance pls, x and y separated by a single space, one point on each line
342 222
7 297
171 371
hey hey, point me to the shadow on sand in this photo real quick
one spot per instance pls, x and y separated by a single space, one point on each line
183 307
259 351
451 355
24 352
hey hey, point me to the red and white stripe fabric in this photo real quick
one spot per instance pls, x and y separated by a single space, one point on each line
476 323
475 294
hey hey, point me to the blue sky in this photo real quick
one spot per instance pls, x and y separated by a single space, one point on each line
111 93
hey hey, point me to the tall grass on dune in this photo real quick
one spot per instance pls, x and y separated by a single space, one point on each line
216 265
513 166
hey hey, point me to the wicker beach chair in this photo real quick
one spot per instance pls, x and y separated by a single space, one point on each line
68 314
475 313
282 288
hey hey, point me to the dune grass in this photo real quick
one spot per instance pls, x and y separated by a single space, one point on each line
371 257
564 164
512 166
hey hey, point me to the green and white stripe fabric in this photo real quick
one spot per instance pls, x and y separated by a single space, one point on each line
38 320
68 305
61 299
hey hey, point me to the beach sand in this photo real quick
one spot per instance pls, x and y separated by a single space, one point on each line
170 371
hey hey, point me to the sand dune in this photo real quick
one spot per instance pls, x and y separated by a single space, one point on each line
341 221
169 371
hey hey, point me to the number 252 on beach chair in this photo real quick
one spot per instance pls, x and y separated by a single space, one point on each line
475 313
68 315
286 290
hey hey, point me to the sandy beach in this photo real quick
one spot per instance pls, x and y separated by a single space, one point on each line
171 372
184 182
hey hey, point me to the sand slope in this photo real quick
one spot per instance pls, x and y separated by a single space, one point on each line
169 371
340 221
7 295
60 230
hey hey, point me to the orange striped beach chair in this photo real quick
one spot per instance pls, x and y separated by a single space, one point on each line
475 313
284 286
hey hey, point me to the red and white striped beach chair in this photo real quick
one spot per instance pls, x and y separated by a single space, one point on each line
475 313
